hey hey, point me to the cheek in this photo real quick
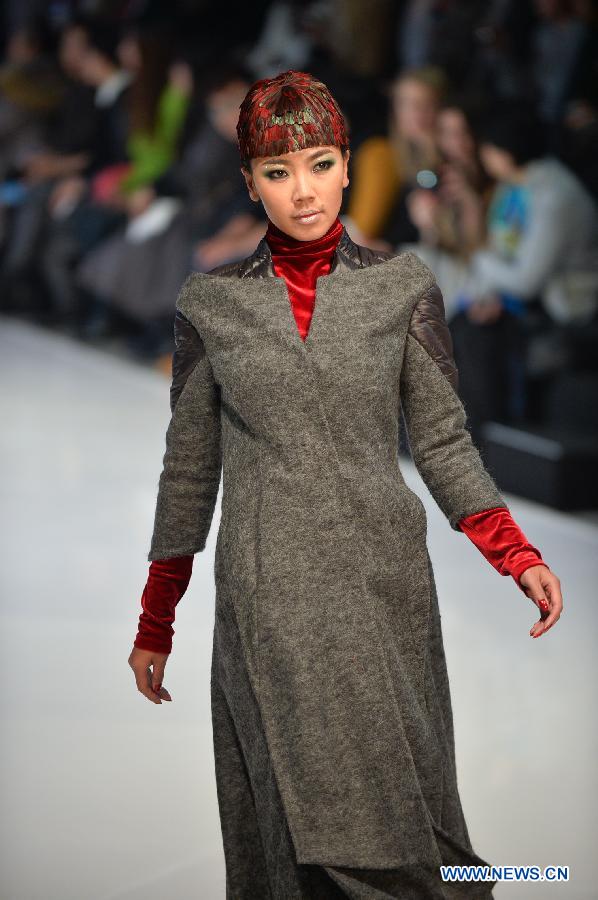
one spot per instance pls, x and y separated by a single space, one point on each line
275 195
334 183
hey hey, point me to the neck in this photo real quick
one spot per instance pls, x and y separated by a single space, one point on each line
281 243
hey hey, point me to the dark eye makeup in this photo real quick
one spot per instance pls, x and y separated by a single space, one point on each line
327 163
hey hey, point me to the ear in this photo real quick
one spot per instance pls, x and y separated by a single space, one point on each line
346 156
250 184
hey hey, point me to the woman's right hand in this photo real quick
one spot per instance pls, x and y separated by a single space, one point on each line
148 667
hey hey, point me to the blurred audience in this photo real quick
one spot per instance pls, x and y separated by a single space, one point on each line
474 132
450 212
387 167
284 42
565 34
542 226
225 223
537 275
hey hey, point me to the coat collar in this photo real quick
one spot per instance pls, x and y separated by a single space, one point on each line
348 255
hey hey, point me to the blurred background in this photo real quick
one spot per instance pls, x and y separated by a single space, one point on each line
474 142
474 130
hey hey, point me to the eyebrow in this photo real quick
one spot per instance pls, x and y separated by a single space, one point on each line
272 162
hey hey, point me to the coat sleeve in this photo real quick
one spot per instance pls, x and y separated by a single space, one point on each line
441 446
190 478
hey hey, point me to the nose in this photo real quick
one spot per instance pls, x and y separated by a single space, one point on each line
303 188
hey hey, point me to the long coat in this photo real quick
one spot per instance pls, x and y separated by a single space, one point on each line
325 593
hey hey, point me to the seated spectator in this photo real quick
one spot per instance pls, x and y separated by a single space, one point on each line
386 168
30 91
72 130
207 175
450 213
563 54
88 135
158 104
226 224
123 195
198 215
542 227
124 276
131 279
62 216
537 272
578 141
111 83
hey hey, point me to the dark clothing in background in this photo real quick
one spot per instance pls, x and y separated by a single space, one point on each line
209 179
399 229
73 127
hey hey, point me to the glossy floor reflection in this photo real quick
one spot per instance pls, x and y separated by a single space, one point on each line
105 795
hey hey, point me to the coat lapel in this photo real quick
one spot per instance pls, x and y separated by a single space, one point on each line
347 256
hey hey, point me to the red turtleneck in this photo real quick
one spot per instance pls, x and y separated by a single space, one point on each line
300 263
493 531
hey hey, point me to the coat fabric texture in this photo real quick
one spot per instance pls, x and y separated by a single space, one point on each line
328 660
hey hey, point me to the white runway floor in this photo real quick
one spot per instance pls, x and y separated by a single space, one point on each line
105 795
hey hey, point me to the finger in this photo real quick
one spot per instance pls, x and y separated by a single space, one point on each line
552 597
151 693
555 599
144 686
538 595
158 688
158 674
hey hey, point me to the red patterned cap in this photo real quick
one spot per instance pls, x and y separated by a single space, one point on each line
290 112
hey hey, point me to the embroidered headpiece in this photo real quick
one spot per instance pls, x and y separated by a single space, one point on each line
290 112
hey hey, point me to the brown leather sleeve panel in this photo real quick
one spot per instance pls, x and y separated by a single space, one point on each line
429 327
189 349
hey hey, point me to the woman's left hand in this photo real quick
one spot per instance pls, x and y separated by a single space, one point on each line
543 587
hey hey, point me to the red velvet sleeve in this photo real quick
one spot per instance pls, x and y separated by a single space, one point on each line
167 581
502 542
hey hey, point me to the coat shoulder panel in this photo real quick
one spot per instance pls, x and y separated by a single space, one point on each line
391 275
231 269
188 294
429 327
189 350
198 288
189 346
405 264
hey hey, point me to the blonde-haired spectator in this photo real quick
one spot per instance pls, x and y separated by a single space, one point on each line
384 167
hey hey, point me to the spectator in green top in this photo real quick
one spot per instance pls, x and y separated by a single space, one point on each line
159 101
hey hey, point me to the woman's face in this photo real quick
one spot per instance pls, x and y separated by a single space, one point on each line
455 140
415 108
301 191
129 53
72 49
222 105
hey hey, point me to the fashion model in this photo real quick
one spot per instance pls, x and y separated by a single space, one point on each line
332 723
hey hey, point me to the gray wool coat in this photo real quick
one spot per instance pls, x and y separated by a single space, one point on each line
322 571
